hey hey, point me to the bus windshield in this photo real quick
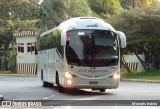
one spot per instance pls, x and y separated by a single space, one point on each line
92 48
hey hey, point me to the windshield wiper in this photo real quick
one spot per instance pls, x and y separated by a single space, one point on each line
73 63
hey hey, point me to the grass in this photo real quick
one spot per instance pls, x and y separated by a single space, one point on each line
7 72
151 75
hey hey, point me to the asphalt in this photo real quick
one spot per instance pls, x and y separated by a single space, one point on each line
123 79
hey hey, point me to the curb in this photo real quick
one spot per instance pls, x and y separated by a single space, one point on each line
1 98
19 75
141 80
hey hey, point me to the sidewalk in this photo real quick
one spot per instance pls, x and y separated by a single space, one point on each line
141 80
19 75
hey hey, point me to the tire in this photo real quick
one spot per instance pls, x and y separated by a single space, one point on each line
61 89
50 85
44 84
102 90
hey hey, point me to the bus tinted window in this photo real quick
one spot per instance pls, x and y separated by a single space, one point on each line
92 47
51 40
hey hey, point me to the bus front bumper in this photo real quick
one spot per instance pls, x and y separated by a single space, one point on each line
108 83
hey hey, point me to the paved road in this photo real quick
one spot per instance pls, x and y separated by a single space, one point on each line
30 88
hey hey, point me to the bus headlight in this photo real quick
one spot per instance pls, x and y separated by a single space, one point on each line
116 76
69 82
68 75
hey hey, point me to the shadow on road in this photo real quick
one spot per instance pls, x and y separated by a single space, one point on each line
79 91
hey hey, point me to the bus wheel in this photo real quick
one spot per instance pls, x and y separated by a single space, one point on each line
61 89
102 90
51 85
44 84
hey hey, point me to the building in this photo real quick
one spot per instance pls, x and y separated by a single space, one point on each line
134 63
26 52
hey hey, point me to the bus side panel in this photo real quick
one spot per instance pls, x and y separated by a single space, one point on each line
39 65
51 65
48 63
44 64
59 66
53 68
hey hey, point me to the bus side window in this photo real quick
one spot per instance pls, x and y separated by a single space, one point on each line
42 42
59 47
53 41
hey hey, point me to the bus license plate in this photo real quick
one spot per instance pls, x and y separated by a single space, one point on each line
93 82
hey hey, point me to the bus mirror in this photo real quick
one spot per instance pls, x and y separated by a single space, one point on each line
122 37
63 38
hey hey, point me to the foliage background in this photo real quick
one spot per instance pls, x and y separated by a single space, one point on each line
138 19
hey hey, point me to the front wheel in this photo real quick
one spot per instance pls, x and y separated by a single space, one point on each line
61 89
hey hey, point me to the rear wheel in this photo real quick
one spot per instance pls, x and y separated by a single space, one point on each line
102 90
44 83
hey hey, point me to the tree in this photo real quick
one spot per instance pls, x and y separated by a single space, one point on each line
55 11
52 12
103 7
19 9
15 15
142 30
5 39
137 3
76 8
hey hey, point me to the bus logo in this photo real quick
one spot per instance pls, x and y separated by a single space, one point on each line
94 25
93 70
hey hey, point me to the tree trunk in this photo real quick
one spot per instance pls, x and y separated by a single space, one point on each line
123 62
142 62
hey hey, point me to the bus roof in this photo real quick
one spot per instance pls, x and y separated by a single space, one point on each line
82 23
49 31
85 23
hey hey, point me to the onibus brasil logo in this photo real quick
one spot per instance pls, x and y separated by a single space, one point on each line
21 104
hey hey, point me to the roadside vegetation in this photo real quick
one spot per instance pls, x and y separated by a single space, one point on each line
150 75
7 72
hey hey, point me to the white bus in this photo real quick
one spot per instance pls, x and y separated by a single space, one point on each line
81 52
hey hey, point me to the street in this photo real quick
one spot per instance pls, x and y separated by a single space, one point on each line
30 88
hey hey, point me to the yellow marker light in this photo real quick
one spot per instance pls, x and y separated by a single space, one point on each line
116 76
68 75
69 82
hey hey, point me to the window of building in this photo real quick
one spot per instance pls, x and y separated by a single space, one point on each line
20 49
31 48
